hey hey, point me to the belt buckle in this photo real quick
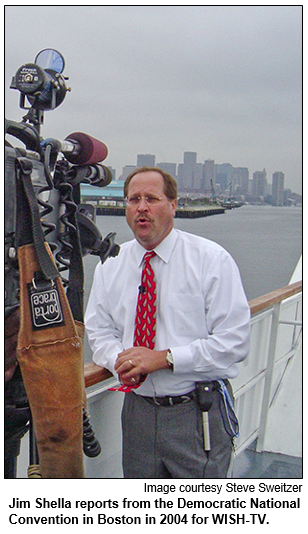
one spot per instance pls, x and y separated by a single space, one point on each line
168 401
165 401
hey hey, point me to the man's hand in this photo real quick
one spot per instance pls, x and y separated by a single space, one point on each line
132 363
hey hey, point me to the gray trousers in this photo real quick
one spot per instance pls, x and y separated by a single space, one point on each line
167 441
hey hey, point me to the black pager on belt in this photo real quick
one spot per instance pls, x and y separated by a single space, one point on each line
204 397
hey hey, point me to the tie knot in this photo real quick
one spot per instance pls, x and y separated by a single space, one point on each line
149 255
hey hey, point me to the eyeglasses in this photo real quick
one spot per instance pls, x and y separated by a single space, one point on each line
134 200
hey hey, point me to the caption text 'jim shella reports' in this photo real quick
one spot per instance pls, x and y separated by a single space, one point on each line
227 503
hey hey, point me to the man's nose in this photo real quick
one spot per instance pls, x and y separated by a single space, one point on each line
143 205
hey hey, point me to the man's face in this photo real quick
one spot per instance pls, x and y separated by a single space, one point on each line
150 222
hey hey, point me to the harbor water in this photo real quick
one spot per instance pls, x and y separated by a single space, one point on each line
265 241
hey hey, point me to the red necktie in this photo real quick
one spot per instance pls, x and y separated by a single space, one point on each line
145 320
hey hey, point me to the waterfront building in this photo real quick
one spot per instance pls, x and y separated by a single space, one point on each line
208 175
127 170
190 173
224 175
167 167
197 181
110 195
190 159
278 189
145 160
240 180
259 183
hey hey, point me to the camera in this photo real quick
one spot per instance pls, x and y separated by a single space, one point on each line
57 170
47 208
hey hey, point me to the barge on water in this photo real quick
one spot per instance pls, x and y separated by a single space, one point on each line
191 212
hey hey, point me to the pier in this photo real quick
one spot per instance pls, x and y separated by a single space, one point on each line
189 212
194 212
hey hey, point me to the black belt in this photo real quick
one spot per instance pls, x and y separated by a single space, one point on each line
170 401
181 399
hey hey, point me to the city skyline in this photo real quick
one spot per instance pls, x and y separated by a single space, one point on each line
214 180
172 167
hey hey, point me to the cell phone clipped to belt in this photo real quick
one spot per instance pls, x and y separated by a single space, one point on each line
204 397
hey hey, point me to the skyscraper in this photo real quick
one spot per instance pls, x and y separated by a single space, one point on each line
186 172
241 179
209 174
259 182
277 188
147 160
224 174
167 167
127 170
190 159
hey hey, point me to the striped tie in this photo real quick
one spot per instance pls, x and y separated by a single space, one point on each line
145 321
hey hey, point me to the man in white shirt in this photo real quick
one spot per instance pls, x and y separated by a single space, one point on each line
202 332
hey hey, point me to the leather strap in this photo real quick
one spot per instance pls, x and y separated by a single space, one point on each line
45 262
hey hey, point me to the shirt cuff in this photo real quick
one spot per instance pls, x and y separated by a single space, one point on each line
183 359
100 360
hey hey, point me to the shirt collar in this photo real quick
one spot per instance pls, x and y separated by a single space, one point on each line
163 250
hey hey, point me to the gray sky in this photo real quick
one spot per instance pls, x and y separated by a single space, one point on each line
223 81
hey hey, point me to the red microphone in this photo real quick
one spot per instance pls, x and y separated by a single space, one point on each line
82 149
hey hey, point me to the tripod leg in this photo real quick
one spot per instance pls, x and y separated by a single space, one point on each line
12 449
34 468
10 467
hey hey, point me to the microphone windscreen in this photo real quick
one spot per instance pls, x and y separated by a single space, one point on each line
91 150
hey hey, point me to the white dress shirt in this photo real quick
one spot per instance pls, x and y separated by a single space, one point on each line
202 311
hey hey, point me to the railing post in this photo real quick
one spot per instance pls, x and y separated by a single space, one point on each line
268 377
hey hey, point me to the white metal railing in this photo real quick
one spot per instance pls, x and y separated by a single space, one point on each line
276 335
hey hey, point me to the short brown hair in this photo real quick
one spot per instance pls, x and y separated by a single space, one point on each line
170 184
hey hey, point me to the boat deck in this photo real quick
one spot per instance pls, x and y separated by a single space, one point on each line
249 464
252 464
